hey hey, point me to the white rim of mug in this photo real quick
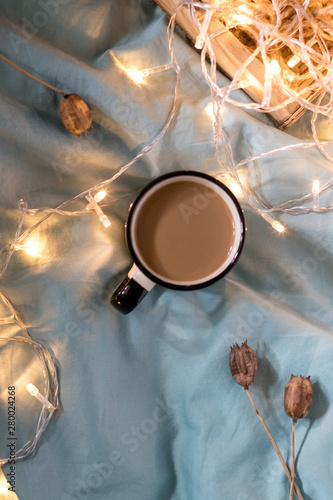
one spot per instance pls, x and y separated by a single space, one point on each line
221 190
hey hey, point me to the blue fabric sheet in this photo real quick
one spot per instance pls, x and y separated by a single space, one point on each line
148 408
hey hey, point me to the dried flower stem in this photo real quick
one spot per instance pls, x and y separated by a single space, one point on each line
31 76
292 460
261 418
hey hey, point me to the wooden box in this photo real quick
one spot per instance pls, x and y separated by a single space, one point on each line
230 53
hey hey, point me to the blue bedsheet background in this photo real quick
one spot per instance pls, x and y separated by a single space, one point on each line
149 410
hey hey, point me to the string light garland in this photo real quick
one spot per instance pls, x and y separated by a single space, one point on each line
234 15
21 241
274 38
49 374
274 28
292 38
267 31
50 400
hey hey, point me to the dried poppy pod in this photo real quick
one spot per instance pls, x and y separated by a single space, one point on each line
298 397
75 114
243 364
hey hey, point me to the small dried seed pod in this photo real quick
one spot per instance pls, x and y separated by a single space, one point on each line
75 114
298 397
243 364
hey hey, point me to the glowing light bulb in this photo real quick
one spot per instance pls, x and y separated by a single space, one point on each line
248 82
274 67
278 226
105 221
245 12
5 492
235 188
242 15
32 389
316 191
293 61
251 80
209 110
135 75
274 223
244 9
93 205
3 488
316 187
100 196
33 246
138 76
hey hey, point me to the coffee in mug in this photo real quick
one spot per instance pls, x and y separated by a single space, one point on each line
184 231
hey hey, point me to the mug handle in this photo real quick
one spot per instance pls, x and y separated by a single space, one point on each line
131 291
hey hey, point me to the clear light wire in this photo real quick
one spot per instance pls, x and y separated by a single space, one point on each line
267 36
49 374
50 397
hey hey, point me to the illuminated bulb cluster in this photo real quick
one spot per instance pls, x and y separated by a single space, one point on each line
295 33
276 70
